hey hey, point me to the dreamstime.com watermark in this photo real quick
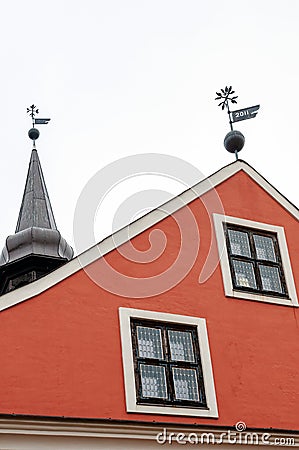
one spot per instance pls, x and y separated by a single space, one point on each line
239 436
114 175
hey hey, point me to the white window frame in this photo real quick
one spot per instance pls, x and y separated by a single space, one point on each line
125 316
230 291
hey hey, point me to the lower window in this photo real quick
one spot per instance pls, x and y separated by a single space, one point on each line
167 364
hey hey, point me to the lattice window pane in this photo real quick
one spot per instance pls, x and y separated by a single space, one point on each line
264 248
270 278
244 274
149 342
181 347
153 381
185 384
239 243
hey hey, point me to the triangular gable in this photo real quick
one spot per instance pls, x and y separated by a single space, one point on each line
142 224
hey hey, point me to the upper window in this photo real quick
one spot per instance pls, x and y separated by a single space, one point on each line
254 261
167 364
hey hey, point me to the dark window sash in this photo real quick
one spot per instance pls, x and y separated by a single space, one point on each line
168 364
256 262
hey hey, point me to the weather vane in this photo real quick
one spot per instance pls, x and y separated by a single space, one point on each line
33 133
234 140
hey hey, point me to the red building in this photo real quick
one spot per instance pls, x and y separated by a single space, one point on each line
175 351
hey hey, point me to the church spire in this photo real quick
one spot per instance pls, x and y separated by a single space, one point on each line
37 247
36 209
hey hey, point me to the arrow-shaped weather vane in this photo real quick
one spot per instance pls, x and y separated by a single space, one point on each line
34 133
234 141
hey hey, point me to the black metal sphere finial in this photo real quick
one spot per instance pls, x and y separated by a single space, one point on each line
33 133
234 141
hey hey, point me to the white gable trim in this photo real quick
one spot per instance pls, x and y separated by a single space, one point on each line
139 226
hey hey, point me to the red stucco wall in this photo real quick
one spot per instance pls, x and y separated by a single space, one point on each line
61 351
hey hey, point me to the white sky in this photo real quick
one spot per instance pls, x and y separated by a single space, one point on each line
124 77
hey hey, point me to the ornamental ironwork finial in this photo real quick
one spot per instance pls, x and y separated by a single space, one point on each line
234 140
33 133
32 111
226 96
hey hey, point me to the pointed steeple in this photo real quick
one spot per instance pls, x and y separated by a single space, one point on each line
37 248
36 209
